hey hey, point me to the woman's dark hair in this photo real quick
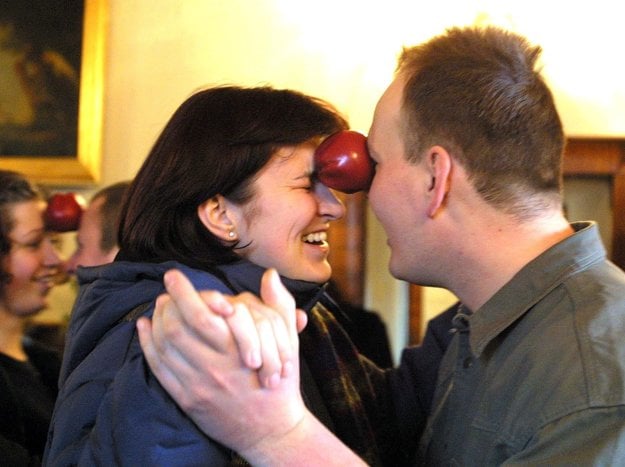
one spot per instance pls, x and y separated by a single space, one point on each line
14 188
215 143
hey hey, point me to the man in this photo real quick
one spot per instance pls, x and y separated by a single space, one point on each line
96 238
468 146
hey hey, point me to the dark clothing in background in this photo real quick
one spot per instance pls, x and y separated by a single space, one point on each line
413 382
27 394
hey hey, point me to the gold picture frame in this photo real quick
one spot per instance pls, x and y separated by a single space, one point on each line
85 166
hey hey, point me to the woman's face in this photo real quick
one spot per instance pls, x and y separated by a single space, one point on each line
32 261
285 224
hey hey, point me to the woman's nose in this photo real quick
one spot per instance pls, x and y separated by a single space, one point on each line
54 262
51 257
329 204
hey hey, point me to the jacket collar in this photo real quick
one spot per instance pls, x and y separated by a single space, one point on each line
245 276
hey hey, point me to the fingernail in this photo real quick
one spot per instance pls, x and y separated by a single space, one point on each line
287 369
275 277
273 381
168 278
254 359
226 307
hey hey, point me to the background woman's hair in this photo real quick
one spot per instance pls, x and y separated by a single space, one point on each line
215 143
14 188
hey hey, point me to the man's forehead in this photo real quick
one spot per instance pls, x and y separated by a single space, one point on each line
388 109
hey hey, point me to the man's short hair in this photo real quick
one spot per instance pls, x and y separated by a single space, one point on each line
113 196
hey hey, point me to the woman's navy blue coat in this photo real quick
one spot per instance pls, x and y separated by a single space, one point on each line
101 414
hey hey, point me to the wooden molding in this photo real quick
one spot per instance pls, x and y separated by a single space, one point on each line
602 157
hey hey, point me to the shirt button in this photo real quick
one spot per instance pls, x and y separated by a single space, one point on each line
467 363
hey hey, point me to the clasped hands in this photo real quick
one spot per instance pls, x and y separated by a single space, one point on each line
230 362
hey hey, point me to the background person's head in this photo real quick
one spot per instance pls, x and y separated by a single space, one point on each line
29 264
232 176
96 238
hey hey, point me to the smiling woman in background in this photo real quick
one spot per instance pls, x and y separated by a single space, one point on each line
29 266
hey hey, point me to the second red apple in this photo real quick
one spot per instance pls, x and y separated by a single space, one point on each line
63 212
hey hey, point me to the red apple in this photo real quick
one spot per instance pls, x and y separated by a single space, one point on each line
63 212
342 162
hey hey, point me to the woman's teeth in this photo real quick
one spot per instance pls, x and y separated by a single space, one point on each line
316 237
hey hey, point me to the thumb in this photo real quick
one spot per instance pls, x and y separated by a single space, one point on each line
275 295
302 320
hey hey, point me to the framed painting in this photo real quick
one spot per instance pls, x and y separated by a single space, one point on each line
52 72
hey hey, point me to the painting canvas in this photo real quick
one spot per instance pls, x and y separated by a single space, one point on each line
51 89
40 58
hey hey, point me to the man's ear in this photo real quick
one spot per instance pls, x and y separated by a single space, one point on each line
439 164
214 214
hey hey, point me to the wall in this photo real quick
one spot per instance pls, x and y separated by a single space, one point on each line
159 51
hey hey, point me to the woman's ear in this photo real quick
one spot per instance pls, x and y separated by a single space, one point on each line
214 214
439 165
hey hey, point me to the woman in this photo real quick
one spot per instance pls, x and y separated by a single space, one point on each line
29 267
227 191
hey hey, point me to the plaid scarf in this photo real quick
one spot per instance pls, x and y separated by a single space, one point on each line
342 381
